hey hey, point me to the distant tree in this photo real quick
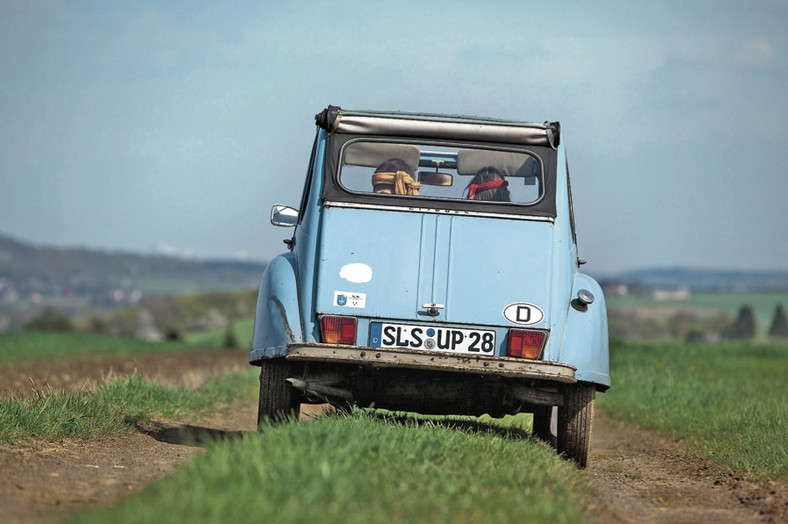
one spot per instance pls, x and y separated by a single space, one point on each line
695 336
172 334
779 327
50 319
682 323
744 327
230 340
97 324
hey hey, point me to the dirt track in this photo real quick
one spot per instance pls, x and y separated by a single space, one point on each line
639 476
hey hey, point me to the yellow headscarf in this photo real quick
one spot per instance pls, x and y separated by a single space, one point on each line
401 182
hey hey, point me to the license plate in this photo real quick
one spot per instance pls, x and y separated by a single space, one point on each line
430 338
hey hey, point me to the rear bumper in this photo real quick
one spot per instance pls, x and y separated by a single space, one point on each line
404 359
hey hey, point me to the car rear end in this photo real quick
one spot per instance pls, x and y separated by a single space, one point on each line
431 300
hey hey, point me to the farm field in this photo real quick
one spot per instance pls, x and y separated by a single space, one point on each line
763 304
730 401
362 468
19 346
438 470
16 346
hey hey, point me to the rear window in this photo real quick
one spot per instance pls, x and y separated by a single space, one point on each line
413 170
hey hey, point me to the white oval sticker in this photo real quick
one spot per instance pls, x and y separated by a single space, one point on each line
356 273
523 314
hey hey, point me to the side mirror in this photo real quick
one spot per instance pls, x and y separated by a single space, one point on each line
434 178
284 216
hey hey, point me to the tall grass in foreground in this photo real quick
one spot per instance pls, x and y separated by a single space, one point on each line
364 468
730 402
118 405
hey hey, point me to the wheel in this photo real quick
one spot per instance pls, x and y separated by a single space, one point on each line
542 430
575 421
278 400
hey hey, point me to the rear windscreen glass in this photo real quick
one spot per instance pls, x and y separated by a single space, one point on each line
441 172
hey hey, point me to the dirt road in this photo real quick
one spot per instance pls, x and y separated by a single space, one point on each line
639 476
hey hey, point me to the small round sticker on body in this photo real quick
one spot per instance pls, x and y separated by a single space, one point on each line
357 273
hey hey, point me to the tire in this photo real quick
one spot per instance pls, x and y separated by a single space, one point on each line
575 422
278 400
541 426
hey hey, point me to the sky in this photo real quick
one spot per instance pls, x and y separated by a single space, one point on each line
173 127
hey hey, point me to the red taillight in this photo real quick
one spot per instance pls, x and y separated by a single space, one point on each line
526 343
338 330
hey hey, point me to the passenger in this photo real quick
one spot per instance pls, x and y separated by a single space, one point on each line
489 184
395 176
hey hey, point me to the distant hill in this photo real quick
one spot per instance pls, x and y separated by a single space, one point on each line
702 280
101 278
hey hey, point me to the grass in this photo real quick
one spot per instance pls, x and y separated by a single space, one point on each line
365 467
118 405
728 401
28 345
16 346
216 337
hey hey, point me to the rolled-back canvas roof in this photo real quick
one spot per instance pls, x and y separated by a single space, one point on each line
336 120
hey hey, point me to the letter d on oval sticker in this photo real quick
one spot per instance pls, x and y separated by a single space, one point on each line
523 314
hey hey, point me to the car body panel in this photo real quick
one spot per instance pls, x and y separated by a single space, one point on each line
278 318
416 259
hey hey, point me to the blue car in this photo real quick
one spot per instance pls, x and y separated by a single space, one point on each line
433 268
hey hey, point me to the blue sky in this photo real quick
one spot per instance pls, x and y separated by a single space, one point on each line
174 126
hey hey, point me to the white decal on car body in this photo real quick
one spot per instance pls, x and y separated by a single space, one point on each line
523 313
356 273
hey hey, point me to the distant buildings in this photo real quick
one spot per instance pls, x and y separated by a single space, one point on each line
656 293
671 295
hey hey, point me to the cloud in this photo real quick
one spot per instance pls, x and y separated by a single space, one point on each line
756 52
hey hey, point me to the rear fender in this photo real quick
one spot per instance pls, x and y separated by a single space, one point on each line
277 320
585 343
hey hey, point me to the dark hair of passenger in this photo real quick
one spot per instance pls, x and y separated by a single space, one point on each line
393 165
483 176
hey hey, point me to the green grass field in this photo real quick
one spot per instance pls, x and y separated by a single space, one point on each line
729 402
31 345
119 405
365 468
216 337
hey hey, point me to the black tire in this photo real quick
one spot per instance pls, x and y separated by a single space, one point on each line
575 422
278 399
541 425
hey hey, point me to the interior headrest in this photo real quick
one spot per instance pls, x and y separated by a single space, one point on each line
469 161
372 154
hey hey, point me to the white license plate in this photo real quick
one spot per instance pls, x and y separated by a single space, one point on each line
431 338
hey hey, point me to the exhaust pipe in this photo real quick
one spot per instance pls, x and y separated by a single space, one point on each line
320 390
